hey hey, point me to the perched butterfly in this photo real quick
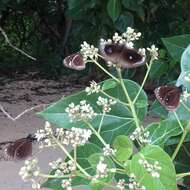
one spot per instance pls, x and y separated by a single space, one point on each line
75 61
168 96
121 55
20 149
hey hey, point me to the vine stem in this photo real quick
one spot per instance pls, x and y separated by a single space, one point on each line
144 80
131 105
70 157
103 69
53 176
185 132
181 175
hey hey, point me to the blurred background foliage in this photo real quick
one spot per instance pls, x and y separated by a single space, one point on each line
52 29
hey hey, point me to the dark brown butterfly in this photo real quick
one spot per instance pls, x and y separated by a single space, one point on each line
75 61
168 96
21 148
121 55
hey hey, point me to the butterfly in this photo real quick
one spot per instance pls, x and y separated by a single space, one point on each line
75 61
121 55
20 149
168 96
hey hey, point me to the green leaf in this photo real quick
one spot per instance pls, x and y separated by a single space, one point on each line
160 132
109 84
167 179
123 21
114 9
176 45
124 148
118 121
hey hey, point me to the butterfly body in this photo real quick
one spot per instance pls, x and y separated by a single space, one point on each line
168 96
121 55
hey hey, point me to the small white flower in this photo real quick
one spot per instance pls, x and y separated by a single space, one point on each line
101 169
29 170
153 169
93 88
185 95
66 183
108 151
121 184
88 51
142 51
105 103
82 111
153 50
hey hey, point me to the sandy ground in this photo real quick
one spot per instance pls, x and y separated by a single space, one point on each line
16 96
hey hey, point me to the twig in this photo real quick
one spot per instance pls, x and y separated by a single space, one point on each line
14 47
21 114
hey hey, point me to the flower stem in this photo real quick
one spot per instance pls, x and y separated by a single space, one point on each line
144 80
53 176
181 175
103 69
100 125
70 157
96 133
185 132
131 105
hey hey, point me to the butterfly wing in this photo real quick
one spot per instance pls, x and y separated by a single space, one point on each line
130 58
75 61
168 96
20 149
111 51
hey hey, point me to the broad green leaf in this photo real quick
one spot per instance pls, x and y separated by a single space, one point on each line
114 9
167 179
160 132
118 121
83 153
176 45
109 84
185 59
158 109
124 148
182 112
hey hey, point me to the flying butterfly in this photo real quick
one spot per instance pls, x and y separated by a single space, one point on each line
121 55
19 149
168 96
75 61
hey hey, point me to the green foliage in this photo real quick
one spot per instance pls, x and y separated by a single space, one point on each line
167 179
124 148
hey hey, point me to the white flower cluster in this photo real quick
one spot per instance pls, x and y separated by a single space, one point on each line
153 50
88 51
133 184
76 136
185 95
153 169
93 88
82 111
29 171
42 135
121 184
143 137
101 169
66 183
126 38
105 103
61 168
187 78
108 151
